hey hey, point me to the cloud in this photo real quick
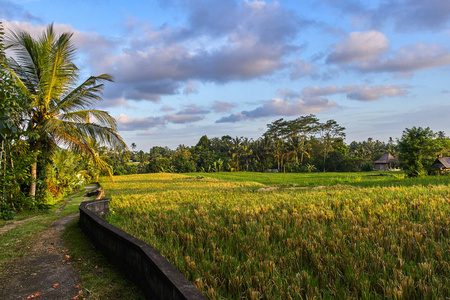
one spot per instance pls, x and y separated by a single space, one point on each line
420 56
190 88
313 99
317 91
125 123
359 46
233 118
408 15
281 107
370 93
252 41
405 15
191 113
368 52
301 68
167 108
182 118
288 93
220 106
11 10
192 109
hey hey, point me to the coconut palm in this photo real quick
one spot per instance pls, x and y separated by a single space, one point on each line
61 110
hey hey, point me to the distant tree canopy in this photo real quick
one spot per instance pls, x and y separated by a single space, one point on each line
304 144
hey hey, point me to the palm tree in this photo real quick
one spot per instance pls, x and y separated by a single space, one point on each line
237 150
60 110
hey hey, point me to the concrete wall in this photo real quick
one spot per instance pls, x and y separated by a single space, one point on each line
141 262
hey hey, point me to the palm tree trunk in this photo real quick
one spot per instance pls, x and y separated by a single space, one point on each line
32 192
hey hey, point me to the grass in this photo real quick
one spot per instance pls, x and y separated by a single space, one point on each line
343 241
360 179
97 275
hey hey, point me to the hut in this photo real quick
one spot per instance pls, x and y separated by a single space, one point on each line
385 163
442 164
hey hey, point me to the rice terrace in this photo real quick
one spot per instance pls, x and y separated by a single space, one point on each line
244 235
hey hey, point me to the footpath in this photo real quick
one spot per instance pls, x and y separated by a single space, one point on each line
45 272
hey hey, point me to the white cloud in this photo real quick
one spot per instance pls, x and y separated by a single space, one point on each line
359 46
220 106
370 93
317 91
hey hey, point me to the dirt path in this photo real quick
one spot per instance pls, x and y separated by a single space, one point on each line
46 272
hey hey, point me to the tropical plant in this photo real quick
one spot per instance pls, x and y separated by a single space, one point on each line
60 110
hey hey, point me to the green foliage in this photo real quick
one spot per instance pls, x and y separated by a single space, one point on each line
182 161
7 214
159 165
60 111
418 148
66 173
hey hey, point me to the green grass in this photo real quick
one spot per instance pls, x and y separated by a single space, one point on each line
360 179
232 241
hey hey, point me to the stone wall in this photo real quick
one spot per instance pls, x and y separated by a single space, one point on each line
141 262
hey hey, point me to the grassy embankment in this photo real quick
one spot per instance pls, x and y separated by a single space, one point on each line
97 275
346 241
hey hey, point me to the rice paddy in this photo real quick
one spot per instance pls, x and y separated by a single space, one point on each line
244 240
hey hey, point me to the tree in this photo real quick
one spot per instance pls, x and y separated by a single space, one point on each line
15 160
60 110
418 148
330 132
203 154
182 160
237 149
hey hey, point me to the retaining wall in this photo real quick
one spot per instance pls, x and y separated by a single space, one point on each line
140 261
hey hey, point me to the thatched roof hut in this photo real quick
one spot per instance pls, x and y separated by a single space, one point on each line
442 164
385 163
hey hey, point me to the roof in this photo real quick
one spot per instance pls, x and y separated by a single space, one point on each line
387 158
445 161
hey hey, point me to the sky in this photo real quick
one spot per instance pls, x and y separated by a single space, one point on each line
188 68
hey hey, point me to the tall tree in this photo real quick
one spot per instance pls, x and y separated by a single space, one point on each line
60 109
418 147
330 132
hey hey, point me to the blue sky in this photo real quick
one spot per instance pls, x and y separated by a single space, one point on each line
186 68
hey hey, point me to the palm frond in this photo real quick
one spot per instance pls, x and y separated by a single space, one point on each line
2 46
67 133
62 130
83 96
101 117
59 72
22 78
26 51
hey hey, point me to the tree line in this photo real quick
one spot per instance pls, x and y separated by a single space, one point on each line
300 145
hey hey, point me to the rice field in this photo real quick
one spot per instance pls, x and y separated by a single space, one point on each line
244 240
